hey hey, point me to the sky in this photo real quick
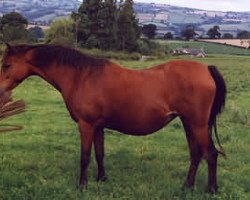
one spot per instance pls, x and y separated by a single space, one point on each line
217 5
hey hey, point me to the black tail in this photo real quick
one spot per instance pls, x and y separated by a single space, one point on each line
219 102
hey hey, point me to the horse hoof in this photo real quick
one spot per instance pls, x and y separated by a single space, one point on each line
82 185
187 186
213 189
102 178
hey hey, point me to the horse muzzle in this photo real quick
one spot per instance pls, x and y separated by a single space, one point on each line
8 85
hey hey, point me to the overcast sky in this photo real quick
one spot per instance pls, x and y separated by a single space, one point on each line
218 5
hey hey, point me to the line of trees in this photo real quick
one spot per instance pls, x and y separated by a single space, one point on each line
213 33
189 32
106 25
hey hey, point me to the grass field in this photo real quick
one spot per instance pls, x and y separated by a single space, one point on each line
209 48
243 43
42 160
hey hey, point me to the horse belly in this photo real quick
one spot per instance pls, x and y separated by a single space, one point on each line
142 125
141 108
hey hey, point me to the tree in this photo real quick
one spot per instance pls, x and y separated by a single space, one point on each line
14 34
95 23
81 22
168 36
149 31
107 33
36 32
227 36
189 32
243 35
86 22
61 32
13 27
214 32
128 28
13 19
1 33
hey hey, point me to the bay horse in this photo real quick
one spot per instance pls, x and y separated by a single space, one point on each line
99 93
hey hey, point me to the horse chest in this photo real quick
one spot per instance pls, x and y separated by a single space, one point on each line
80 109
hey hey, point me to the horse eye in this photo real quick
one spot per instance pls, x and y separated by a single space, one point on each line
6 66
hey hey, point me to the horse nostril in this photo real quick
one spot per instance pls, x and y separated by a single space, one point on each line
2 91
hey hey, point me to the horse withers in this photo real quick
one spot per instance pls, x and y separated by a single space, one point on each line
101 94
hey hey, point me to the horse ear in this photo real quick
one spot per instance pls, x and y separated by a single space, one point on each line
8 45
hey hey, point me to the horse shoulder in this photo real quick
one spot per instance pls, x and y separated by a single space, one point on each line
85 101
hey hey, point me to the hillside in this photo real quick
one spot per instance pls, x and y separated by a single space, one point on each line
167 18
40 11
173 19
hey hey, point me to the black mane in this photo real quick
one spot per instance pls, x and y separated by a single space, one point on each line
44 55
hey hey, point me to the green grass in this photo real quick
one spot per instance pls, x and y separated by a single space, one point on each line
42 160
209 48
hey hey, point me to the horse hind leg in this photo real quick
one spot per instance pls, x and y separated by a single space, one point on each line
99 153
209 152
211 158
195 156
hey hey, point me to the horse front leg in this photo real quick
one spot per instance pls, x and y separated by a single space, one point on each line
99 154
86 135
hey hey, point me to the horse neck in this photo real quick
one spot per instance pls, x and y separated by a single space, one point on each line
60 78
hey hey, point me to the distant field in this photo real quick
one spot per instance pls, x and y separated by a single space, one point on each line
245 43
41 162
43 27
180 17
209 48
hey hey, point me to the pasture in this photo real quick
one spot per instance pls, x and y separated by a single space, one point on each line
244 43
42 160
208 47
